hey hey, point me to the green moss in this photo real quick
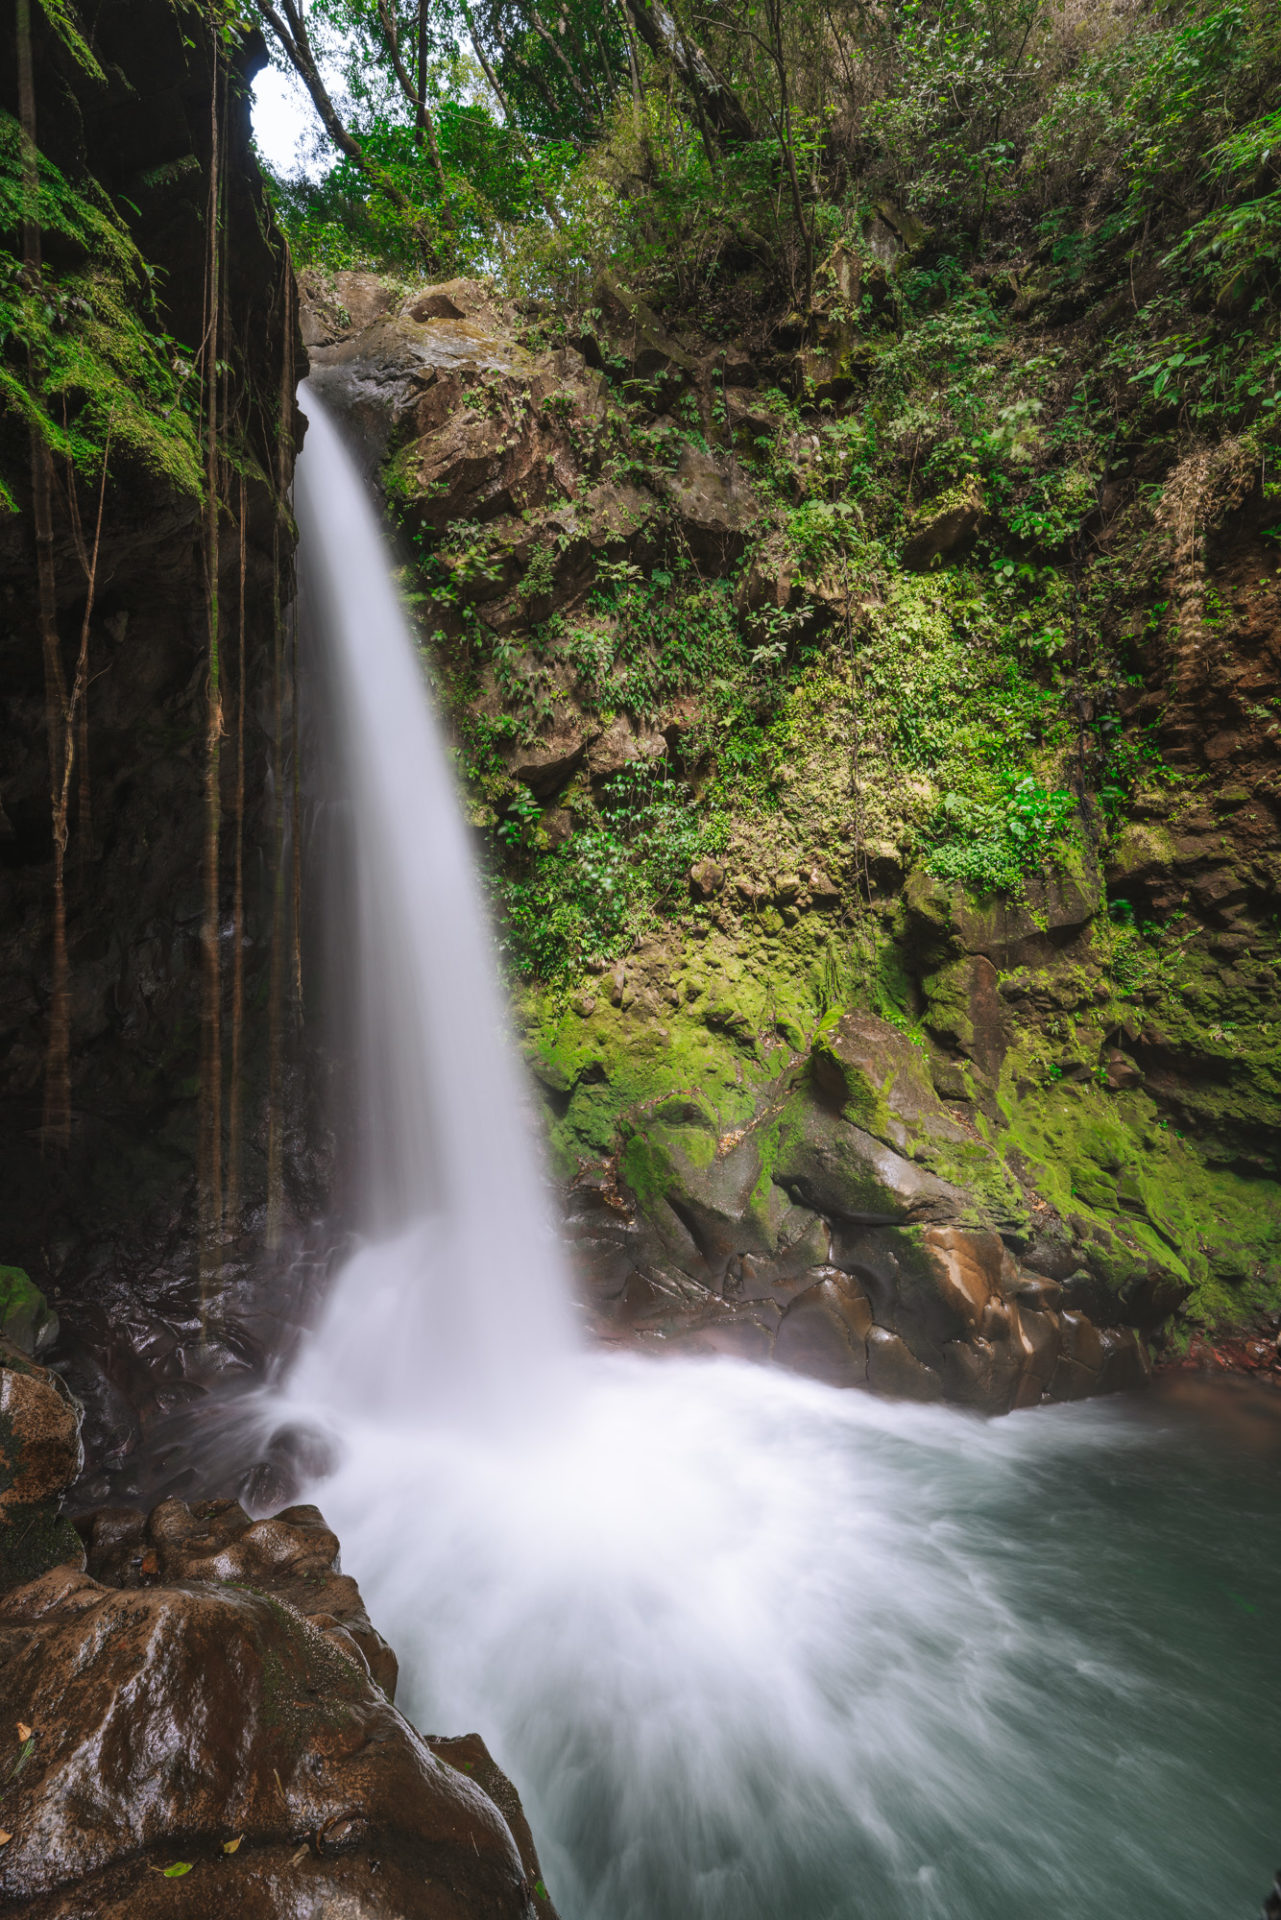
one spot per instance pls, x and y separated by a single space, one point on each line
82 359
1149 1203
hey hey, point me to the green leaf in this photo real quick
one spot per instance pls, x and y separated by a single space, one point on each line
176 1871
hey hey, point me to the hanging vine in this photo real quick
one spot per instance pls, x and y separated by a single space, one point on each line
281 891
212 386
235 1094
100 387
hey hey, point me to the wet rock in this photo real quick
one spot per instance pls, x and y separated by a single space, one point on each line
894 1370
1125 1364
218 1729
1080 1363
824 1332
108 1222
40 1457
293 1555
40 1452
468 1754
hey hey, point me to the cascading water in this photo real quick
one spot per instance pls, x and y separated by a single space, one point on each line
752 1648
459 1296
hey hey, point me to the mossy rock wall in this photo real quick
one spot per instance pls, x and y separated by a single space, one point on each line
831 909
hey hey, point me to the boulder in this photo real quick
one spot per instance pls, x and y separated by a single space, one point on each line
824 1332
894 1371
1010 933
546 765
706 878
292 1555
964 1009
201 1750
872 1073
842 1171
640 337
619 745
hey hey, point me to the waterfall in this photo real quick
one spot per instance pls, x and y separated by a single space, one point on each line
459 1292
752 1648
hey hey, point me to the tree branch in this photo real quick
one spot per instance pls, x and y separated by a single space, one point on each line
724 110
415 95
291 33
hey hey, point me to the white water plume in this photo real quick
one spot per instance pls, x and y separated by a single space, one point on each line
752 1648
459 1294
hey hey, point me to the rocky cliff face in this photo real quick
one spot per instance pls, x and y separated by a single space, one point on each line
812 1098
107 1225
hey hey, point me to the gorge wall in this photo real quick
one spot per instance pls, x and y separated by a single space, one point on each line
107 1219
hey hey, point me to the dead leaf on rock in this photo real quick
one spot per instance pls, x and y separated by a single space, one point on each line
5 1838
300 1855
24 1731
230 1846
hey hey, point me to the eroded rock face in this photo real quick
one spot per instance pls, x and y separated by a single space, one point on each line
292 1555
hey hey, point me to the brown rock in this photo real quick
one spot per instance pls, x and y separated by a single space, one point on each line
619 745
451 300
1080 1361
169 1721
648 348
1121 1071
824 1332
964 1008
548 764
293 1556
706 878
892 1369
40 1452
968 1264
873 1073
981 1373
715 505
468 1754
